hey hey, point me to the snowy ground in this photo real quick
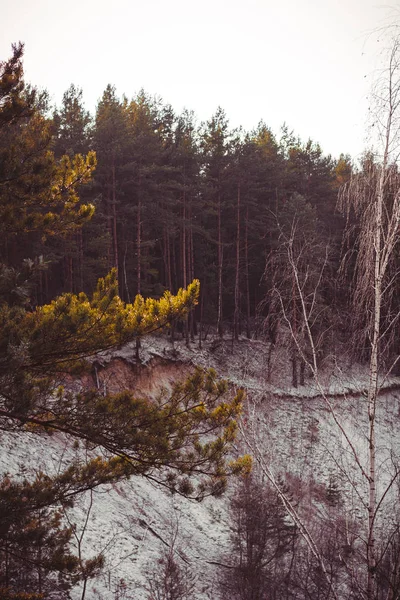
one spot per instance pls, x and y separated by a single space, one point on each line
245 363
133 521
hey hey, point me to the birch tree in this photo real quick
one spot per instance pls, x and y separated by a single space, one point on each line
374 197
371 202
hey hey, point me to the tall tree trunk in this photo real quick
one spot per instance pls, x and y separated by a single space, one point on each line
246 259
114 220
184 240
167 259
128 297
379 234
373 382
139 242
108 208
294 327
184 260
202 291
294 368
302 371
175 282
220 264
139 257
237 270
169 262
192 314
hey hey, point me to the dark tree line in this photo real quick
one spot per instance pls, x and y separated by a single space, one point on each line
175 200
172 200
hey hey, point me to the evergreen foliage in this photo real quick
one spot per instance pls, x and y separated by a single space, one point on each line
180 440
176 201
37 193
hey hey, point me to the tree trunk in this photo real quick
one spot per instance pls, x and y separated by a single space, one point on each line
294 328
202 290
192 314
246 259
139 242
184 239
84 588
373 385
128 297
184 261
114 220
109 220
167 260
302 371
175 283
294 369
237 270
220 263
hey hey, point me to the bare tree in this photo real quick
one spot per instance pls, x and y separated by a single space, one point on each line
171 578
298 245
263 542
87 568
374 196
251 438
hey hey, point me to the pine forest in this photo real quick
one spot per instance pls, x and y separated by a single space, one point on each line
181 306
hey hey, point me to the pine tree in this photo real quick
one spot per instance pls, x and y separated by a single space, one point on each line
216 147
72 124
72 135
144 174
312 175
110 136
37 193
168 439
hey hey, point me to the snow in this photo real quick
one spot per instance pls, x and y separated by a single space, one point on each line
245 363
132 521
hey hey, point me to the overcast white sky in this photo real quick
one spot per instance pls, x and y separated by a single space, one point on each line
306 62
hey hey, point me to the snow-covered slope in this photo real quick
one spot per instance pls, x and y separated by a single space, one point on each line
132 522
